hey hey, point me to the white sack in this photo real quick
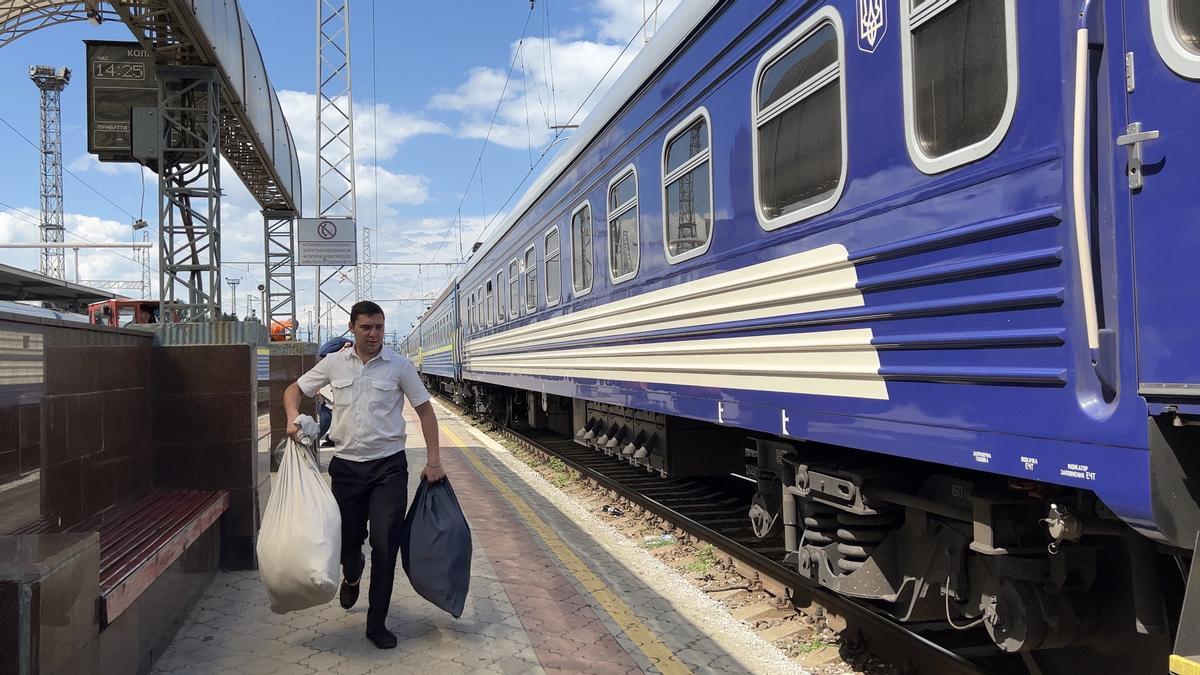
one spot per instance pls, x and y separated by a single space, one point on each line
300 540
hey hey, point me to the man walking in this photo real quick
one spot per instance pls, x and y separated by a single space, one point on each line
369 470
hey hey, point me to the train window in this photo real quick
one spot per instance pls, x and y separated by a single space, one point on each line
500 296
624 248
531 293
1187 23
491 307
480 314
514 290
581 249
960 79
687 188
1175 25
799 117
553 267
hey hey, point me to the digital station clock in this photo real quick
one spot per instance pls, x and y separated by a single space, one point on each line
120 76
119 70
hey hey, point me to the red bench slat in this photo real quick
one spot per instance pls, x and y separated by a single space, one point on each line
145 526
142 543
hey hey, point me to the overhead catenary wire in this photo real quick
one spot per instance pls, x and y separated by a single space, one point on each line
559 133
525 99
560 130
24 215
374 125
550 60
20 213
69 171
491 125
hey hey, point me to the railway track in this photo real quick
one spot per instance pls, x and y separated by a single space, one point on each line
714 510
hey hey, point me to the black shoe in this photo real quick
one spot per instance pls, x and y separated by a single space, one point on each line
382 637
348 594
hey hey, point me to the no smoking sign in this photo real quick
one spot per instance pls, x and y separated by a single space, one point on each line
326 241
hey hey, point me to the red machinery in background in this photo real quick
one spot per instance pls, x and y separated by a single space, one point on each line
118 313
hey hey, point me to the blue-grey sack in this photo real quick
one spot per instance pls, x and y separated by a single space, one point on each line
435 547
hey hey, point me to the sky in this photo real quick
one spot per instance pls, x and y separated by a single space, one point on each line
428 80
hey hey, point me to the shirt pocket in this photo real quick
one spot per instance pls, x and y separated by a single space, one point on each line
342 392
384 396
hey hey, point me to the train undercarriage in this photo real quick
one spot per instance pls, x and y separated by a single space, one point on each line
1046 571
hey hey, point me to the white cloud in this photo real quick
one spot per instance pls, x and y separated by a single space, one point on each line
94 264
553 79
88 162
482 89
300 108
19 225
534 99
619 20
392 188
394 128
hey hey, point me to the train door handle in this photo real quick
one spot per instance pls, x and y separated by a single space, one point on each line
1132 139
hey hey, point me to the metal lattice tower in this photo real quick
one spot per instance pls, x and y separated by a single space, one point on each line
280 292
145 258
366 284
52 81
336 194
688 238
189 192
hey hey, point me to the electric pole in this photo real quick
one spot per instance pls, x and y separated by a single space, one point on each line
336 193
233 295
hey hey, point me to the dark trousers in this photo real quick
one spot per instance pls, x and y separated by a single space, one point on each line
325 419
375 493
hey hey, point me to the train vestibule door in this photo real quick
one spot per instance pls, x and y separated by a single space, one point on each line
1160 143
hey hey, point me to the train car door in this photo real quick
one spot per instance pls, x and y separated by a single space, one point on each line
1161 143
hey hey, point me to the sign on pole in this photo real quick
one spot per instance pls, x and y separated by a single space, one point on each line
326 242
120 76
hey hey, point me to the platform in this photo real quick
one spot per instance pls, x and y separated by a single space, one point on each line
551 592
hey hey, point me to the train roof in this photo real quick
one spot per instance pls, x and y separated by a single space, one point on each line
434 305
686 17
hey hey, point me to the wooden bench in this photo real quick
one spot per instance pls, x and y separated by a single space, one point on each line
142 541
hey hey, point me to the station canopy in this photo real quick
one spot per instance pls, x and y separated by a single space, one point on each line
22 285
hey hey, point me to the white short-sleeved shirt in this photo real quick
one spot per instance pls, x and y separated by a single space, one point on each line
368 401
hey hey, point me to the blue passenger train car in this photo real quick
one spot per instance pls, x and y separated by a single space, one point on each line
436 338
928 260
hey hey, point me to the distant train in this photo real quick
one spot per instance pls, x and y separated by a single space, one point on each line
919 268
31 310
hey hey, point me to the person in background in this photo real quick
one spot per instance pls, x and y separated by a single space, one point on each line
369 469
325 396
